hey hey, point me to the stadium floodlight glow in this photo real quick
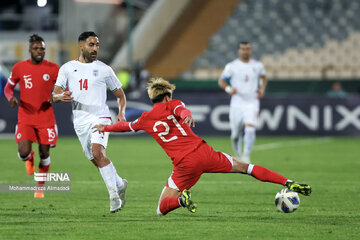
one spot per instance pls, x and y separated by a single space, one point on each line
41 3
101 1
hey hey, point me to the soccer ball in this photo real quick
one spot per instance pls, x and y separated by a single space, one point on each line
287 201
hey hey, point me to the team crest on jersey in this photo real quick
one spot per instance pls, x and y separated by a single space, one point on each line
95 73
46 77
18 136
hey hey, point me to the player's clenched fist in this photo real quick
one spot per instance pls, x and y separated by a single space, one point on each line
59 95
13 102
66 96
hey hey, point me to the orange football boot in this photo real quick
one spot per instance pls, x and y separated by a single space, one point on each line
39 193
29 163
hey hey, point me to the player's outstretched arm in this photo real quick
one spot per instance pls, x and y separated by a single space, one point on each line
121 99
116 127
59 94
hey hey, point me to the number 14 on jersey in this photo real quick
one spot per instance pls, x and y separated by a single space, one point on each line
83 84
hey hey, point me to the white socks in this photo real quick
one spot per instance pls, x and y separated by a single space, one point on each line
250 168
108 174
236 143
249 139
119 180
45 162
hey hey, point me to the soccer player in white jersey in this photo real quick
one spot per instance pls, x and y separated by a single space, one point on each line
83 82
241 79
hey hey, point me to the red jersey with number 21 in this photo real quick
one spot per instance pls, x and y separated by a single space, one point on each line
36 83
164 124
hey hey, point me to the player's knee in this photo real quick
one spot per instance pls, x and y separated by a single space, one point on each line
23 156
100 159
23 153
234 137
44 155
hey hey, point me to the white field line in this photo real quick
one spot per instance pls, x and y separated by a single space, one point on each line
163 182
136 182
295 143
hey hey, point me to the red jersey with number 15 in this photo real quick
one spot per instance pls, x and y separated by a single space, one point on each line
164 124
36 83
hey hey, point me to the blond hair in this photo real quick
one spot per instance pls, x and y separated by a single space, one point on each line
158 88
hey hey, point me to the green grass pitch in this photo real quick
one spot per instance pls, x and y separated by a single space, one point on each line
230 206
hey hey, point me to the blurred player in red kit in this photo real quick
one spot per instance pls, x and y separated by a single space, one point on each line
169 122
36 120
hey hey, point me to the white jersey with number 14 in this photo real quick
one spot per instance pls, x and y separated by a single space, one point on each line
88 82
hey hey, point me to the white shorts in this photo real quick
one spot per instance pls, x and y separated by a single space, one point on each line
244 113
87 137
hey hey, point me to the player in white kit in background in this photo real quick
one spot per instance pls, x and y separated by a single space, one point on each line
241 79
86 80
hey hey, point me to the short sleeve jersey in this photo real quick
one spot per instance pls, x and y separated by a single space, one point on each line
36 82
244 77
162 123
88 82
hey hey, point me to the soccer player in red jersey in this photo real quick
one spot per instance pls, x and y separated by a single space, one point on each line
36 120
169 122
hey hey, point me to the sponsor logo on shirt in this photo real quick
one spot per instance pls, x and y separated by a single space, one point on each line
46 77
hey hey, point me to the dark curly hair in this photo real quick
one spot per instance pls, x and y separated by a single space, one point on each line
35 38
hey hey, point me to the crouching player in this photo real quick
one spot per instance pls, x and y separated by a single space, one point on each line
169 122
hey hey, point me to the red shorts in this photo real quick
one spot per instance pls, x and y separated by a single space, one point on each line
43 136
203 160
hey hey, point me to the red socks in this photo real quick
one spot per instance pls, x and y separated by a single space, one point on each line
266 175
168 204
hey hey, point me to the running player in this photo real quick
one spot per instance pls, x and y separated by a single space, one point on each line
86 79
36 120
240 79
168 122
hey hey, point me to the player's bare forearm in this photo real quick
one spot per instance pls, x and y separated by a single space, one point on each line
59 94
261 90
121 99
222 83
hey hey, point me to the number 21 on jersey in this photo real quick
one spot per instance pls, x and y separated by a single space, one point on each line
83 84
167 128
